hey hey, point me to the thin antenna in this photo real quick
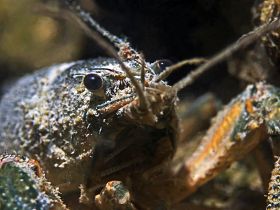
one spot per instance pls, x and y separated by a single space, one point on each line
243 42
143 70
169 70
102 37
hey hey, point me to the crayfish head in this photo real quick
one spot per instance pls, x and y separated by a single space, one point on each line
132 138
96 125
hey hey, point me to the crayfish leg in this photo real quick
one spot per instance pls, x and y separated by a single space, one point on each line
196 116
114 196
246 121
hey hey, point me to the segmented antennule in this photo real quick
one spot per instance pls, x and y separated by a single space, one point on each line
144 103
91 23
102 37
242 43
86 18
273 197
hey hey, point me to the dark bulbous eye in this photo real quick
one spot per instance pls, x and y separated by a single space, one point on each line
93 82
163 64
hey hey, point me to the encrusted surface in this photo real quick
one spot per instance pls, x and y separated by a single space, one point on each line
83 135
23 186
273 197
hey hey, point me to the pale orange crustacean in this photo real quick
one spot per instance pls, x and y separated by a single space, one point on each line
111 124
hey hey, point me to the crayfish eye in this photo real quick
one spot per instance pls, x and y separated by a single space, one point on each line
161 65
93 82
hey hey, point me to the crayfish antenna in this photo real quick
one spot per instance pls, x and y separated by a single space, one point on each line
243 42
105 39
170 69
143 71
